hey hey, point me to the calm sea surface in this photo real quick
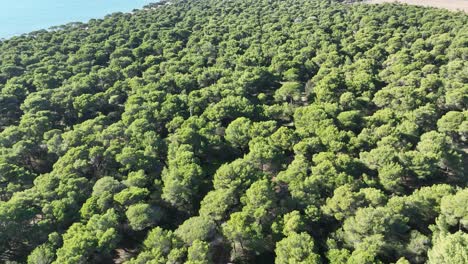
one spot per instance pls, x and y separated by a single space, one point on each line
23 16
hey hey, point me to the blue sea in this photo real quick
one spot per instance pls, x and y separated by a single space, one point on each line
23 16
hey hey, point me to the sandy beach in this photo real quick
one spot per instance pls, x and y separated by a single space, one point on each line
448 4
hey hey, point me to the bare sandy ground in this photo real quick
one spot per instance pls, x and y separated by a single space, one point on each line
448 4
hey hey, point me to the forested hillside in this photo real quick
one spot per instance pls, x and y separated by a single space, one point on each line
242 131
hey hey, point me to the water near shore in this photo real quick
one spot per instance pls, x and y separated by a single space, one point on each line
23 16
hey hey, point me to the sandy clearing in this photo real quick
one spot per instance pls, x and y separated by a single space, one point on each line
448 4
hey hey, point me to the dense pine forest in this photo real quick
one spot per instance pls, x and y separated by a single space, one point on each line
237 131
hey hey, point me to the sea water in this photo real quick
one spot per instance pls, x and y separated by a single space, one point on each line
23 16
